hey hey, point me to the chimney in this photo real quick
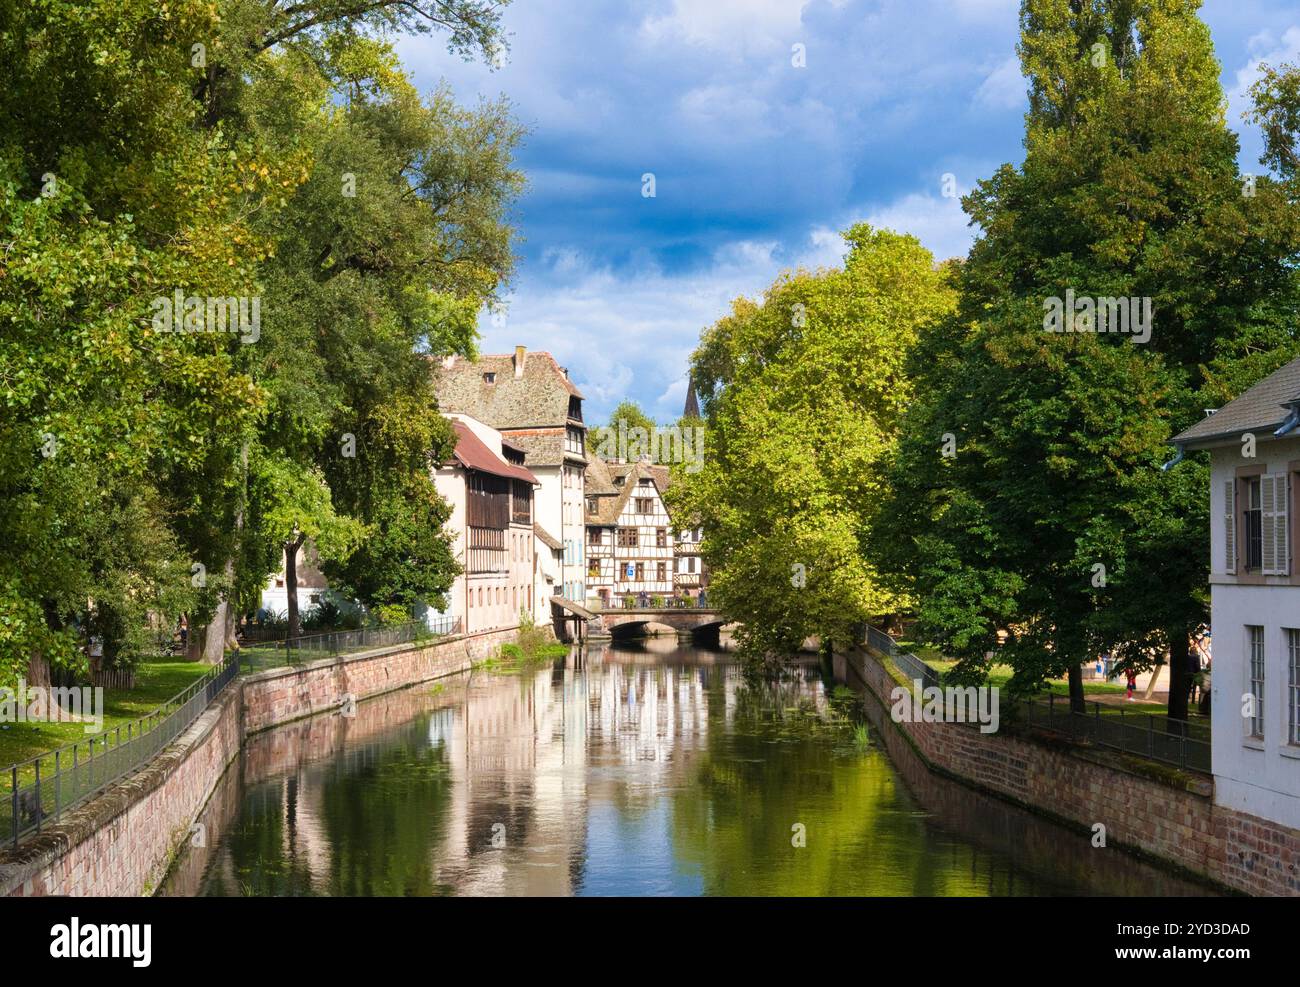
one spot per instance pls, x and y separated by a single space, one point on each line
520 355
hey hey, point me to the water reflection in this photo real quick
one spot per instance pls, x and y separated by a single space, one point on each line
648 769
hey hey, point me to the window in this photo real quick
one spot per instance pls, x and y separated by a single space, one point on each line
1257 680
593 569
1293 684
644 505
690 563
627 538
1253 518
661 538
573 441
640 572
596 536
489 378
663 571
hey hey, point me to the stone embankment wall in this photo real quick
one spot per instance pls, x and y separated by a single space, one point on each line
122 841
1167 816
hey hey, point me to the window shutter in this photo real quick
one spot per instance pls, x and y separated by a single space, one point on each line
1273 517
1230 525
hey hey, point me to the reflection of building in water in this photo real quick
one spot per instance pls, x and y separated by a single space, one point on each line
517 756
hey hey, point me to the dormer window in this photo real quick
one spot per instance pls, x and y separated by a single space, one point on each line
489 378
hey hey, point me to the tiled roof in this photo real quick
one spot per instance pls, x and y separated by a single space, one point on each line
609 508
599 481
540 397
540 448
472 453
546 538
1260 408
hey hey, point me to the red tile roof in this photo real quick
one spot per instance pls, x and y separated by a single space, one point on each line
473 454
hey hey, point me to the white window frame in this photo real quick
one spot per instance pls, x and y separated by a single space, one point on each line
1256 678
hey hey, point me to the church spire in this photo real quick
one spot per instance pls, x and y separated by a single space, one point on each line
692 409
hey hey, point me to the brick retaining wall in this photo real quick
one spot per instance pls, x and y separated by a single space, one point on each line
1167 815
121 842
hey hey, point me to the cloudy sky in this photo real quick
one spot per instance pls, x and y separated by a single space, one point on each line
758 163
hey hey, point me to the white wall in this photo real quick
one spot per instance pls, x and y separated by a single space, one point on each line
1262 779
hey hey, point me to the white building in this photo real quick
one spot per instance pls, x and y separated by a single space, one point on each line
491 524
530 400
1254 446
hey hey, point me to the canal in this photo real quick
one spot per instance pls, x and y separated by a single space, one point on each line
650 769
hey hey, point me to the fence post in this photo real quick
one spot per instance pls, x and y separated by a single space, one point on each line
58 781
15 801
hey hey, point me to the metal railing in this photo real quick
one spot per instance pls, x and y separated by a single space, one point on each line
1151 739
1149 736
633 603
44 787
910 665
331 643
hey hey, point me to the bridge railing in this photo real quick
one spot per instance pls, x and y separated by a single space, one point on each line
653 602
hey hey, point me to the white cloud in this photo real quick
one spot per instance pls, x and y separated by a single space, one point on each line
729 25
1264 48
1004 88
937 222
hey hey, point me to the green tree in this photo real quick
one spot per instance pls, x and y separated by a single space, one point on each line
804 393
626 420
1046 529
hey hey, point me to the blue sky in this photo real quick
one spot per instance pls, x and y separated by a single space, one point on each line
758 164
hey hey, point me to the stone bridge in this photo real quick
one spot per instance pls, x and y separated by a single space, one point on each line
688 622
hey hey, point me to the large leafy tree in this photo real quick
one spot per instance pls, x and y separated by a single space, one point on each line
148 149
803 397
1053 533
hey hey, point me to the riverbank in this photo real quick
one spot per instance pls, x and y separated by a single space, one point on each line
122 842
1165 816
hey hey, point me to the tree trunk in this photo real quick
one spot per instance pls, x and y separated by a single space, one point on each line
1155 676
1076 689
193 640
291 584
1180 679
214 635
38 670
231 641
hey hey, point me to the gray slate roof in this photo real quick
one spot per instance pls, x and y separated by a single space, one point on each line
1261 408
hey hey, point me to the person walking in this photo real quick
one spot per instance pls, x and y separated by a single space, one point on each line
1132 677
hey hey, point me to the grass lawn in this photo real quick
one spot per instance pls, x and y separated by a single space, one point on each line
156 681
1000 675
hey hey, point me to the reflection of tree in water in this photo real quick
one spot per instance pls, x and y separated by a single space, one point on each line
367 823
783 763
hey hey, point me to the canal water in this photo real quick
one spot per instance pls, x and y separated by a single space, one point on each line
650 769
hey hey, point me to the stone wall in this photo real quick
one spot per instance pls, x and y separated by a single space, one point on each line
1166 815
121 842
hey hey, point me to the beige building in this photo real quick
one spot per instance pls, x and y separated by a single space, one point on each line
491 494
530 400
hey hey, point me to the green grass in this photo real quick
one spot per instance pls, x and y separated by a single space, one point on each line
156 681
1000 675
